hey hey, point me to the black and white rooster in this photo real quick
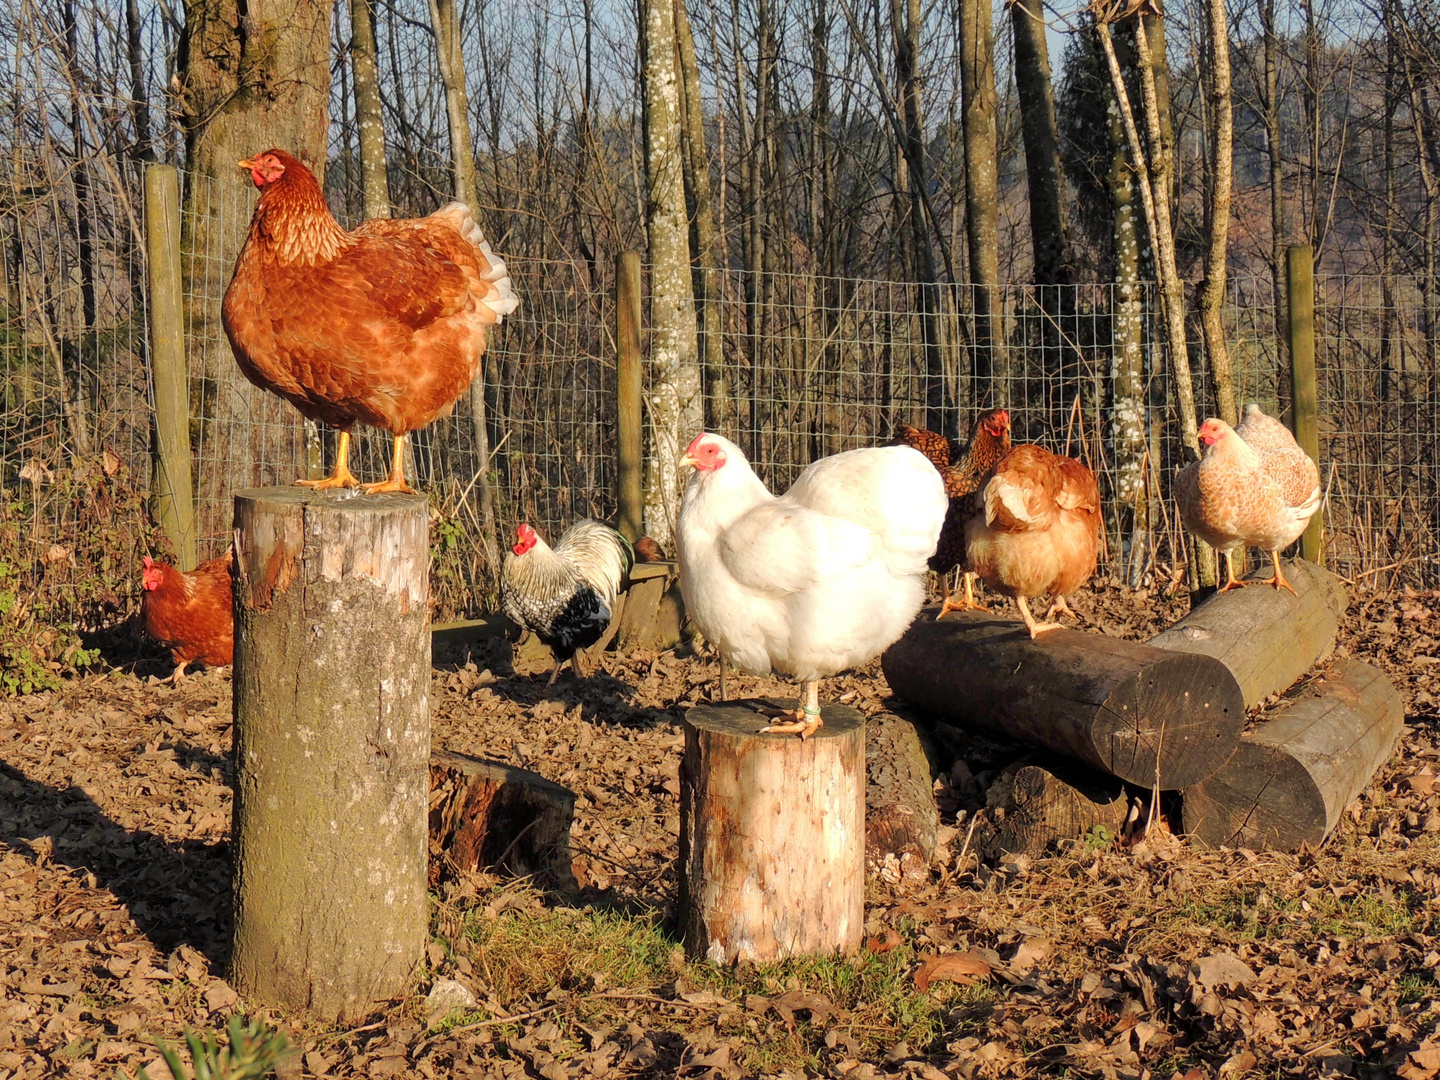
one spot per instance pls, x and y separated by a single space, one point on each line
564 594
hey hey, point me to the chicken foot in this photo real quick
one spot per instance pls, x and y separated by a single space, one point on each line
807 716
1035 628
1062 608
342 477
1233 582
1279 579
949 603
176 677
396 480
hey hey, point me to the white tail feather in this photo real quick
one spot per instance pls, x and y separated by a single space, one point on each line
504 301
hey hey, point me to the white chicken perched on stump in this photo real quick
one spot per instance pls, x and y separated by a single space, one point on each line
821 579
564 594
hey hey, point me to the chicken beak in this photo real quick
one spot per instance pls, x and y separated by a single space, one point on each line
245 164
688 460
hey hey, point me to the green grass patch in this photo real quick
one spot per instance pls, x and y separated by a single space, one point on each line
1243 915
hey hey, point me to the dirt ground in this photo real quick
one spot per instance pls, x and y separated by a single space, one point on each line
1120 960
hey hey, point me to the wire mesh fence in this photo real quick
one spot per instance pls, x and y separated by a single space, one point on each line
806 366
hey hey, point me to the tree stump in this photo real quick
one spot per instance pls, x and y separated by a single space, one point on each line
1267 638
1292 777
332 747
1037 803
1136 712
772 836
901 818
485 814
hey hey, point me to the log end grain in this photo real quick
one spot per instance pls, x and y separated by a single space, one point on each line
1036 803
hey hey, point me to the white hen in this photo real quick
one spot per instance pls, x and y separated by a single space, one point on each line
823 578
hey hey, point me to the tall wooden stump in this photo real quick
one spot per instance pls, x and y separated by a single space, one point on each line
332 746
772 836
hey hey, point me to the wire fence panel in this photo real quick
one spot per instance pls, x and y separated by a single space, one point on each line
808 366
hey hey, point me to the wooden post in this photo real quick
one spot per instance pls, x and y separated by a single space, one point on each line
174 501
1305 391
1293 776
1143 714
630 498
332 747
772 836
1267 637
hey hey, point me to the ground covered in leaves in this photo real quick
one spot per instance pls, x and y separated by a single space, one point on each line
1119 959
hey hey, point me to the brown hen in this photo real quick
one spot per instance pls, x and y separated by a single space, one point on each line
989 442
384 325
191 613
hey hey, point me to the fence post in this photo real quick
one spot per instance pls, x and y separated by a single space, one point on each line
174 502
1305 392
630 494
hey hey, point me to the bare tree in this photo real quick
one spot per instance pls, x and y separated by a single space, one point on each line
982 197
369 110
1217 206
676 411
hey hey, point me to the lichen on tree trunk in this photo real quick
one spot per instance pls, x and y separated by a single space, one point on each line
332 747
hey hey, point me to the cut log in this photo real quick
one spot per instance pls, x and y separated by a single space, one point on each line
489 816
332 747
901 818
1292 777
1266 637
1038 803
1143 714
772 836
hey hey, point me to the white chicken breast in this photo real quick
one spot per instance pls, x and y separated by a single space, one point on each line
818 580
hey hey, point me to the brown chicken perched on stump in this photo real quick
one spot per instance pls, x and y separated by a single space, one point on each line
989 442
383 325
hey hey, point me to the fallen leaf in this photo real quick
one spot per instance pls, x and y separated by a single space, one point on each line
957 967
891 939
789 1003
1031 952
1242 1062
1221 969
110 462
219 997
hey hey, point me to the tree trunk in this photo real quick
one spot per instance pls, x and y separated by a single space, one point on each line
697 174
1222 136
772 836
982 198
143 149
1274 152
445 21
252 77
369 115
1044 173
676 406
332 748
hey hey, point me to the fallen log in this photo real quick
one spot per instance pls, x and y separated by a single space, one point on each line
1143 714
486 815
1038 803
772 836
1268 638
1292 777
901 818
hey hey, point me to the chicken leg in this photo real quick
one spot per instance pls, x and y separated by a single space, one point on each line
1035 628
807 717
396 480
342 477
176 677
1279 579
1060 607
968 604
1234 582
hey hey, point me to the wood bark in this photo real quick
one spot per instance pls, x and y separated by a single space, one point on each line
1291 779
449 52
142 149
486 815
1143 714
369 113
982 198
1217 207
901 817
676 404
1268 638
252 77
332 747
1274 155
1036 803
1044 172
772 836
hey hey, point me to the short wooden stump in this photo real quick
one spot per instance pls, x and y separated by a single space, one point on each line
772 836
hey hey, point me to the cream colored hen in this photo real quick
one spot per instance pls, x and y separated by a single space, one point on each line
1254 487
